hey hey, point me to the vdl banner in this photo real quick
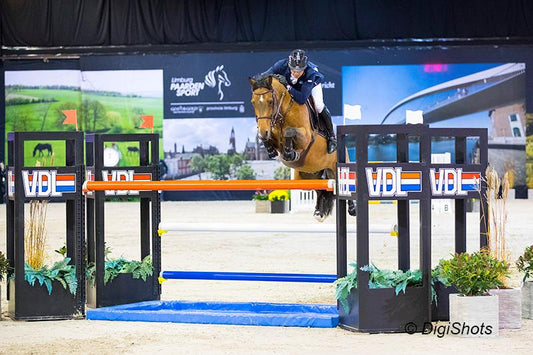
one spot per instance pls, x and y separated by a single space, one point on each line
394 182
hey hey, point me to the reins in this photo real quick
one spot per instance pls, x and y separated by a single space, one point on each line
277 117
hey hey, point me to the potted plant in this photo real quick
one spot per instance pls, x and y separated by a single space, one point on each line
279 201
4 267
473 310
399 280
262 204
51 289
509 298
124 281
525 265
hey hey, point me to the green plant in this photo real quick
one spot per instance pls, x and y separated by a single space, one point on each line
382 278
344 285
397 279
474 274
245 172
4 266
282 173
261 195
524 263
61 271
113 267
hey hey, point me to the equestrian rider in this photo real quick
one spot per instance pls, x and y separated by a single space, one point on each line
305 80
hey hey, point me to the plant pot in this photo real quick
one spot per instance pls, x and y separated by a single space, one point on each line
474 316
34 302
510 305
121 290
440 311
279 206
262 206
381 310
527 300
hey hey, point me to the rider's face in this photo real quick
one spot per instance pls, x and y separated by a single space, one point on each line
297 74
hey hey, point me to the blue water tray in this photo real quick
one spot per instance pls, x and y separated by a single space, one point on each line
266 314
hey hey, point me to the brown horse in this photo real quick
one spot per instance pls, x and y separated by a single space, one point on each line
285 128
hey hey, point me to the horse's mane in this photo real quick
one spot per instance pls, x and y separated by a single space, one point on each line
262 81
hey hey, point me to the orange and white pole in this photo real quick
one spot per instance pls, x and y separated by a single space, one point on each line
204 185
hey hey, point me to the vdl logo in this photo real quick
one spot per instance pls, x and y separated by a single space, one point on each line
124 175
389 182
393 182
47 183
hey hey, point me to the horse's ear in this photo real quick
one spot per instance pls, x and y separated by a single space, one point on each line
252 80
269 81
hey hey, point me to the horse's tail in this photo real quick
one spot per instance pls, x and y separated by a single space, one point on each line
34 151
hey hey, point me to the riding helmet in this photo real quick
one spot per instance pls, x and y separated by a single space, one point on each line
298 60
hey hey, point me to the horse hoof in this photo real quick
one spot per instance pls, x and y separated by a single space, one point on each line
319 216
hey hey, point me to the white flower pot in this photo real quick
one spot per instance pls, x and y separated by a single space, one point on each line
527 300
510 304
262 206
474 316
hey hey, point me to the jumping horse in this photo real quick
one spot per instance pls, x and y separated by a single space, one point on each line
286 128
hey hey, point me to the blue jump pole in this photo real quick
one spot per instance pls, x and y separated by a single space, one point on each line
248 276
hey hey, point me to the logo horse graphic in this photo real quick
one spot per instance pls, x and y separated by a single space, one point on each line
217 77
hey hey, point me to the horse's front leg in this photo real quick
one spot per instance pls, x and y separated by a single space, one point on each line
272 152
290 137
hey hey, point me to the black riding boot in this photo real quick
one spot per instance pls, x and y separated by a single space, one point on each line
325 116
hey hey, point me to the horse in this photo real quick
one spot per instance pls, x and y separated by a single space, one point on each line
42 146
285 127
133 150
217 77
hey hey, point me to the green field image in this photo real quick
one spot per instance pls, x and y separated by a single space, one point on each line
129 152
44 153
32 109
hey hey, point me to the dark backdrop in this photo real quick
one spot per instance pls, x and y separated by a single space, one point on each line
142 22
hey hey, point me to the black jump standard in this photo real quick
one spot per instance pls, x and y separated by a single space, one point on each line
27 183
403 180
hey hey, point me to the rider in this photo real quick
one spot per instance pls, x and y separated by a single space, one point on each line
305 80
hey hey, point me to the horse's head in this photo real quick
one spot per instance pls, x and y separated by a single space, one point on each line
266 102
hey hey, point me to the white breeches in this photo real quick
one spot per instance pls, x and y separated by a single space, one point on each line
318 98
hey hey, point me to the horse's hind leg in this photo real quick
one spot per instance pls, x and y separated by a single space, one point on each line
352 211
324 204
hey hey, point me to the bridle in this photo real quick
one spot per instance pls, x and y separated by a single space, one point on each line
277 117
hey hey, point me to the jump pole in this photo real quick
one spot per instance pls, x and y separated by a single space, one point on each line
195 185
314 228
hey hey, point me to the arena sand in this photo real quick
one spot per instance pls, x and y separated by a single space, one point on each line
254 252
